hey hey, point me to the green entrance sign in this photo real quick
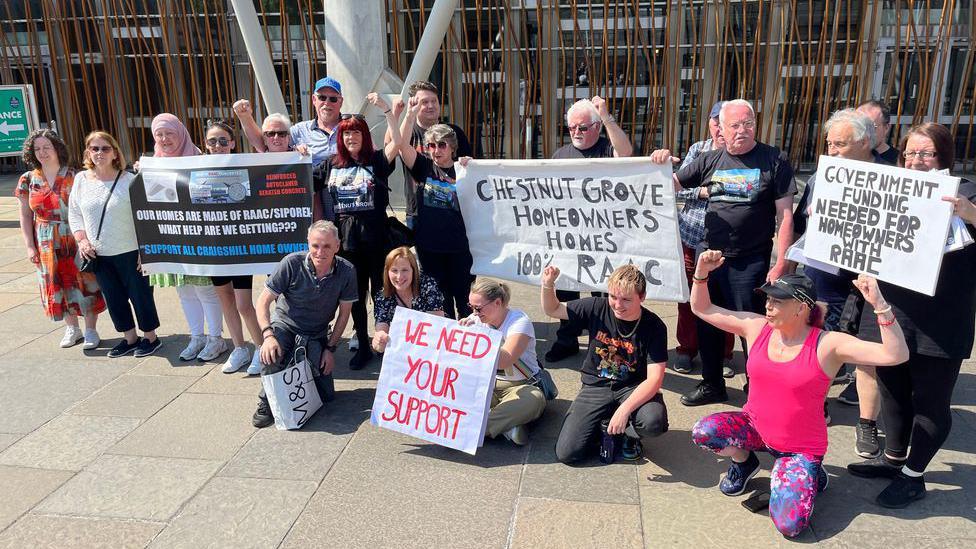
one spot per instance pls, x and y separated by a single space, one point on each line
18 117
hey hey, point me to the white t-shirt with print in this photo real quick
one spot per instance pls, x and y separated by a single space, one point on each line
517 322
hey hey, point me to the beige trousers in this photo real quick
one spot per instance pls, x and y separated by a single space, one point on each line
513 403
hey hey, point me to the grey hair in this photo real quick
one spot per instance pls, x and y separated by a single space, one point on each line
492 289
859 122
441 132
584 105
277 116
734 103
326 227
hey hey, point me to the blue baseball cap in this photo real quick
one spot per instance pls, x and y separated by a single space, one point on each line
328 82
716 108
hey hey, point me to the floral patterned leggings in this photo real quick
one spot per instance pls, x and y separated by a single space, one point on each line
793 483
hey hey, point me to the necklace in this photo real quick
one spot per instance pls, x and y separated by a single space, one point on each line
620 330
783 345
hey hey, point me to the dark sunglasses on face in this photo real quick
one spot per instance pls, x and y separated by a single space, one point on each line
440 145
583 128
282 133
329 98
107 148
218 141
477 308
356 116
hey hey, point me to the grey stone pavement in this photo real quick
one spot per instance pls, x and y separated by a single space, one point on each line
153 452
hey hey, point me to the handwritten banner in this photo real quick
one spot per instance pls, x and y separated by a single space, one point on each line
884 221
437 380
586 217
223 214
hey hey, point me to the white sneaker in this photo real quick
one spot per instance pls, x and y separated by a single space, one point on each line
255 367
197 343
215 347
91 340
238 359
517 435
72 335
354 344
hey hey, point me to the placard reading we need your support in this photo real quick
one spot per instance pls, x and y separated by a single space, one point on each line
437 380
880 220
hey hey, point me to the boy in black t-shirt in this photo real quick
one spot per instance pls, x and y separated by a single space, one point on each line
618 385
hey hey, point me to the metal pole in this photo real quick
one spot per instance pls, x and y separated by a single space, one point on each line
257 51
430 43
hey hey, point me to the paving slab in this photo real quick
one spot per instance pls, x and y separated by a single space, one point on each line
56 532
411 494
217 382
68 442
166 361
6 439
545 523
133 487
23 488
591 480
194 426
133 396
237 512
10 300
20 266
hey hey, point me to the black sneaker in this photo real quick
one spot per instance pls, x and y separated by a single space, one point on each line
558 352
704 394
735 480
728 372
632 449
879 467
682 364
867 445
361 358
822 479
849 395
902 491
262 416
146 347
123 348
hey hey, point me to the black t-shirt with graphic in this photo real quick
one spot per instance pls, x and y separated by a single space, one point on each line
743 190
438 226
464 148
355 198
612 357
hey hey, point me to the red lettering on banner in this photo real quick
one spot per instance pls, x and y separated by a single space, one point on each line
416 335
437 420
464 343
425 375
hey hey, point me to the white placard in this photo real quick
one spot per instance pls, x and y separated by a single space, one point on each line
437 380
884 221
586 217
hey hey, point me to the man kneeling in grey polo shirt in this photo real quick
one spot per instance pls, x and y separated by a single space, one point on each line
307 288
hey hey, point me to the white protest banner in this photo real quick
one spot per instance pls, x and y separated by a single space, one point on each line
884 221
437 380
221 214
586 217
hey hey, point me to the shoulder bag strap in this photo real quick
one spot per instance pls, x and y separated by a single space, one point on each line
111 191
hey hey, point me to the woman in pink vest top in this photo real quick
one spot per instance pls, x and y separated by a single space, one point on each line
790 367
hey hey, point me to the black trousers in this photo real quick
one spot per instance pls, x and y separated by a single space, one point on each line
915 398
121 283
369 280
580 433
452 271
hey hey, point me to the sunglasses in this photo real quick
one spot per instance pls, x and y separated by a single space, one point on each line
478 308
329 98
282 133
440 145
218 141
351 116
583 128
105 149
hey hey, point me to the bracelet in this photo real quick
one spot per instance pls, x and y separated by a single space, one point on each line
331 348
883 311
387 111
699 279
544 287
265 329
886 324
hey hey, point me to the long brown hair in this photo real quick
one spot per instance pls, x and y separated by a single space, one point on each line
402 252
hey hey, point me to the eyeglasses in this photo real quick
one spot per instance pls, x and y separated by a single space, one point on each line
281 133
350 116
583 128
837 144
106 149
329 98
921 155
219 141
748 124
440 145
478 308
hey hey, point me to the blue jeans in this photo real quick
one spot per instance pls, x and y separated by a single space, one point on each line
731 286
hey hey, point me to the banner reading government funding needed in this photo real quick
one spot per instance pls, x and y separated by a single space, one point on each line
437 380
586 217
222 214
888 222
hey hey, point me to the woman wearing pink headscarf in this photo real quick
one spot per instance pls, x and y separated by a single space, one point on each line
197 294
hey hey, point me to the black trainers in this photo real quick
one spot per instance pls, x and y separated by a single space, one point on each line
146 347
704 394
262 416
735 480
632 449
361 358
867 445
558 352
682 364
123 348
849 395
728 372
822 479
879 467
902 491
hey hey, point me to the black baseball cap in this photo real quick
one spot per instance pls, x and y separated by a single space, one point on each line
795 286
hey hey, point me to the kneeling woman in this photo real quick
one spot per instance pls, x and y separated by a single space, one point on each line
404 285
516 400
790 367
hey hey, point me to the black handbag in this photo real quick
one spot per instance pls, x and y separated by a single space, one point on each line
90 264
398 233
